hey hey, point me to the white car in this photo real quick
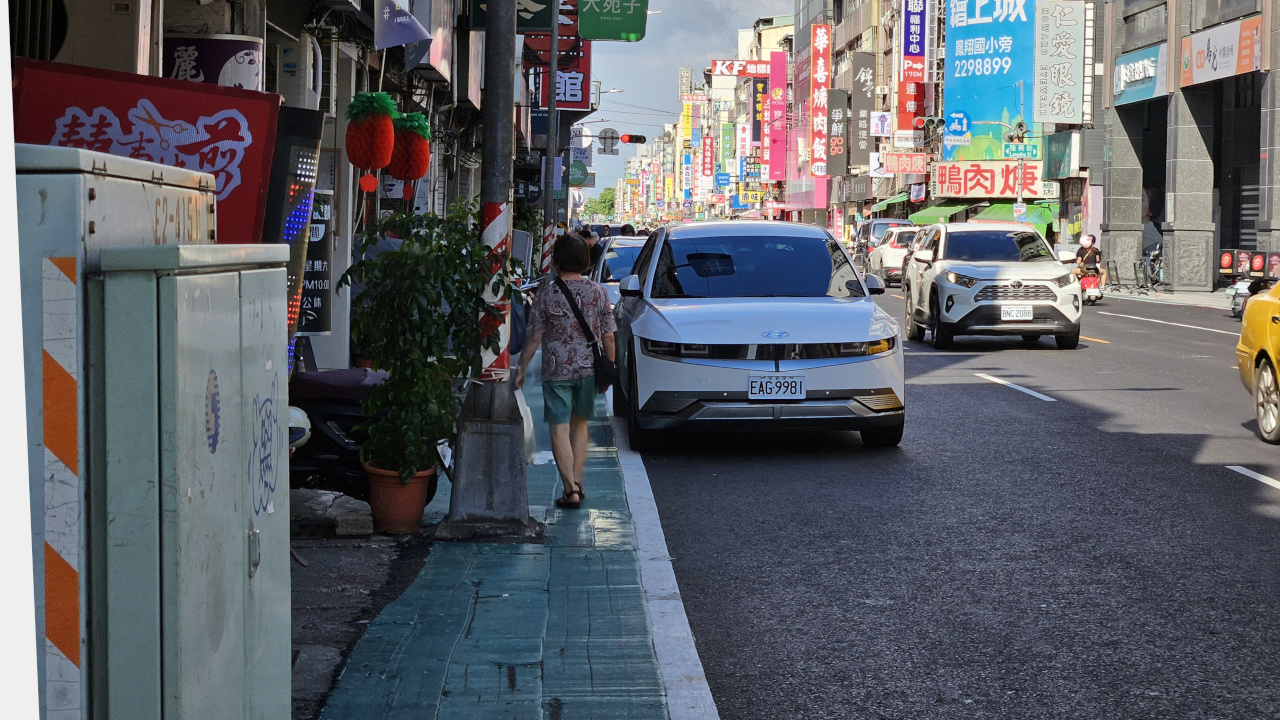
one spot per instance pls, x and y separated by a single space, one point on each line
989 279
619 253
750 325
886 259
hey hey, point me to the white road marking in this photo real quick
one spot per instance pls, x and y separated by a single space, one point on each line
1019 388
1165 322
1256 476
688 695
1158 301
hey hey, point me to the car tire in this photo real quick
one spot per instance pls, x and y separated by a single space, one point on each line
915 331
1031 338
940 337
883 437
1068 342
1266 401
638 438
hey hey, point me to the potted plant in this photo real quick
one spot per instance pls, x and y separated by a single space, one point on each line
419 313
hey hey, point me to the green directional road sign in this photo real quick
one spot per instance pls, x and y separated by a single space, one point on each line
612 19
577 174
531 15
1021 151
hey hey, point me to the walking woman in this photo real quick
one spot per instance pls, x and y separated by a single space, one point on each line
568 373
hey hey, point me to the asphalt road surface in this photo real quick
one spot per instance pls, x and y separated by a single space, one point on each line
1092 556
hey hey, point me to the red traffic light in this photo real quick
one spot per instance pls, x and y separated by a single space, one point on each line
633 139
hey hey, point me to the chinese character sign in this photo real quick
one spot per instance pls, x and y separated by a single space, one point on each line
740 68
998 179
862 105
708 155
820 79
1060 51
837 132
915 19
777 170
573 83
726 145
612 19
759 94
990 74
906 163
743 136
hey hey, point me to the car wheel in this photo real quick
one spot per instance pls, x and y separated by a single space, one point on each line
940 336
638 438
1266 401
1031 338
915 331
883 437
1068 342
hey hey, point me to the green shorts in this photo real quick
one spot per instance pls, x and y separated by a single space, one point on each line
563 398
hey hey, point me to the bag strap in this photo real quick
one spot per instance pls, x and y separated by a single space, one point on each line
577 313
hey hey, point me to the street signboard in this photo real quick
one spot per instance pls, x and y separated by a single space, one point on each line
1021 151
740 68
906 163
722 178
1020 212
608 138
624 21
577 173
751 196
908 138
535 18
581 155
688 204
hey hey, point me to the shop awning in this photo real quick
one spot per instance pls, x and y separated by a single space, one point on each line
1041 216
939 213
903 197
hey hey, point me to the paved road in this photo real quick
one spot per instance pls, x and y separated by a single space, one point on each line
1091 557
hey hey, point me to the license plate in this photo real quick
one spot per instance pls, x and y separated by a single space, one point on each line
1016 313
775 387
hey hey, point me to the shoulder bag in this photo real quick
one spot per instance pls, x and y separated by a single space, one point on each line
606 371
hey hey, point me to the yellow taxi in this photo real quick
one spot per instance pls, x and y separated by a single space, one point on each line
1257 355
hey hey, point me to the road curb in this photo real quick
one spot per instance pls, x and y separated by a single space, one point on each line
688 695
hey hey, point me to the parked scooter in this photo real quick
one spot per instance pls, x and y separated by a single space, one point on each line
1244 289
1091 286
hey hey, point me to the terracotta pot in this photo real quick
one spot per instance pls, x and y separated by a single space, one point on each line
362 363
397 506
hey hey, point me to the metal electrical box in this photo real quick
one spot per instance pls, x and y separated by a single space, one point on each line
157 442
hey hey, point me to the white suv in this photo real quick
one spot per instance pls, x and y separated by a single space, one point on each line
989 279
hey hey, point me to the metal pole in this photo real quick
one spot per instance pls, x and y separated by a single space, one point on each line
553 139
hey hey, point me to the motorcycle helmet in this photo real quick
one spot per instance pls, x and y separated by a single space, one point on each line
299 428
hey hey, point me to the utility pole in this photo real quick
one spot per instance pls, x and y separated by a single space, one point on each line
490 494
550 80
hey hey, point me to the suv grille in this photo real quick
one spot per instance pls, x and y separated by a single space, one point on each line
1005 292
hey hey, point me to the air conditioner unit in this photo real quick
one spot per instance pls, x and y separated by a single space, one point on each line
112 35
296 75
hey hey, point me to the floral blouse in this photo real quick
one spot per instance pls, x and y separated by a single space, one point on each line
565 352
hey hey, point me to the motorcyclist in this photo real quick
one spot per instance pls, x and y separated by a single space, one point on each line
1089 257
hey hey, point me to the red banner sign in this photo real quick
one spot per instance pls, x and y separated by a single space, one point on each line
910 104
228 133
820 83
989 179
573 82
708 155
740 68
906 163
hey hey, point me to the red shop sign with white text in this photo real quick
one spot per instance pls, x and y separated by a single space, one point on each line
990 179
906 163
227 132
820 79
708 156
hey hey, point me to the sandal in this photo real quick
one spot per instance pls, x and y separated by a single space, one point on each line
564 502
582 494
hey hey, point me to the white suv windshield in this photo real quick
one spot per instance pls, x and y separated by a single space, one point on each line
726 266
997 246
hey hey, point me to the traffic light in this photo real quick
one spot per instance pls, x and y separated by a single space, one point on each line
928 123
634 139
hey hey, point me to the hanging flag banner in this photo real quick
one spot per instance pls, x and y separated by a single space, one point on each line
837 127
394 25
820 79
1060 51
862 105
777 117
759 95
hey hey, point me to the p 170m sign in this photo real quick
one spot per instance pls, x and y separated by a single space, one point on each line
740 68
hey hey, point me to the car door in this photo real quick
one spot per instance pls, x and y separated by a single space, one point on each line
918 269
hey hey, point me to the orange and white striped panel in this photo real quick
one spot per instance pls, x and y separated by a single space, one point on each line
63 499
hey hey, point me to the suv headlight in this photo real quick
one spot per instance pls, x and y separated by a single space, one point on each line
1065 280
962 280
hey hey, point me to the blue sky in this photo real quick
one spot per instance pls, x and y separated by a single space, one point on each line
688 33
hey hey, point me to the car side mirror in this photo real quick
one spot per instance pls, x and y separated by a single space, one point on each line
1066 256
630 286
923 256
874 284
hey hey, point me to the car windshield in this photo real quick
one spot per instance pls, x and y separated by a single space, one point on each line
997 246
902 239
618 262
727 266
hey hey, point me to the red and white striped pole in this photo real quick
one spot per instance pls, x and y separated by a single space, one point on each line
495 232
548 242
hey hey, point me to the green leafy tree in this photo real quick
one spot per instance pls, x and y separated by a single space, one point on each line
602 204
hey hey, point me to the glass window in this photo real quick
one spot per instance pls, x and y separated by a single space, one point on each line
641 266
761 266
618 261
997 246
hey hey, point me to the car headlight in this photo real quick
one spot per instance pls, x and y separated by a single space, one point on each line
658 347
962 280
1065 280
859 349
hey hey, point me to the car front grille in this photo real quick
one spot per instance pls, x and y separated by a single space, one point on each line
1005 292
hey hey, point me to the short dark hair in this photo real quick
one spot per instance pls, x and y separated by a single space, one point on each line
570 254
628 229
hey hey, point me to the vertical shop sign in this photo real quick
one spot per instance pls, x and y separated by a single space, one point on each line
726 146
759 95
820 77
837 132
1059 64
316 316
744 139
912 59
910 105
862 104
708 156
778 125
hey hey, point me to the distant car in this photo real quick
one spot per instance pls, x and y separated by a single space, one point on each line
870 232
989 279
603 231
1257 354
755 325
619 255
887 256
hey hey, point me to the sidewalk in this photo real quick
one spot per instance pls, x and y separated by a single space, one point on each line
1217 299
503 630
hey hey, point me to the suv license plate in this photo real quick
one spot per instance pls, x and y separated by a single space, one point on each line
775 387
1016 313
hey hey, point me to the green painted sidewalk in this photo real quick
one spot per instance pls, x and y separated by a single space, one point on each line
558 630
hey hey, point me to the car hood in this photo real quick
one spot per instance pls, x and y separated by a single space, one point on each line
1008 270
752 321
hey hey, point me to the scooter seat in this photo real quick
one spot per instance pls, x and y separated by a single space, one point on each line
350 385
